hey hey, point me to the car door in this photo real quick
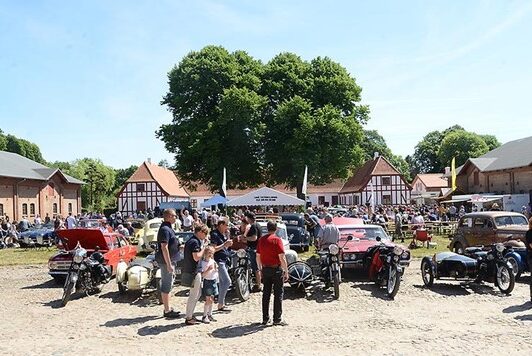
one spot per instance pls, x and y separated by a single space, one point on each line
466 229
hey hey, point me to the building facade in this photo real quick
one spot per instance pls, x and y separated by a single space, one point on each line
28 188
504 170
376 182
148 187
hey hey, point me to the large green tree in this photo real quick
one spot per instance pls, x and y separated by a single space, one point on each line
461 145
263 122
20 146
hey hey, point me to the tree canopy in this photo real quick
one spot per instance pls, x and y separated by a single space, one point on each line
374 142
436 150
263 122
21 146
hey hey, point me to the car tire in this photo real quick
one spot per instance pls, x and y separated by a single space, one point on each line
427 273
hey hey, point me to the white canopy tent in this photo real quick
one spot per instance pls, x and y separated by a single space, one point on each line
265 197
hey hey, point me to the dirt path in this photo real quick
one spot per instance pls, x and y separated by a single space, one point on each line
448 319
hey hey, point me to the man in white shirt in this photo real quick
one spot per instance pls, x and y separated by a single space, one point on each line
70 221
187 221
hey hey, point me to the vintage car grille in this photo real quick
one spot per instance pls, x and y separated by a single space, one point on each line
61 265
352 256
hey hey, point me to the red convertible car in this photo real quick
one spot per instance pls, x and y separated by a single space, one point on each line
364 236
115 248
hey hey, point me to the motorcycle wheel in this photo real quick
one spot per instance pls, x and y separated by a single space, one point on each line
242 285
336 283
515 267
394 281
427 273
67 290
505 279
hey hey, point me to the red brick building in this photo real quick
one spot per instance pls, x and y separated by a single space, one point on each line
28 188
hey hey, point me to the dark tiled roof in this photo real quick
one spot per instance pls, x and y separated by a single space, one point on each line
16 166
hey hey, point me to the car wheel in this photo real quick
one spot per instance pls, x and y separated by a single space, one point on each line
427 273
459 248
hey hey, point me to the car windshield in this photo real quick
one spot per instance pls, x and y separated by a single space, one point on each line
43 226
510 220
364 233
155 225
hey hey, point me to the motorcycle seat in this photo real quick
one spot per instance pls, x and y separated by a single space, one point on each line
473 250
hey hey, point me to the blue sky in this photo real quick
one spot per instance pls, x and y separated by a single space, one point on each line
85 78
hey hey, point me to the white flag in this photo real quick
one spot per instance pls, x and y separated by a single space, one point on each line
304 188
224 187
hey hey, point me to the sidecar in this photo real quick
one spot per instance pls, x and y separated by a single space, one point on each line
140 274
448 265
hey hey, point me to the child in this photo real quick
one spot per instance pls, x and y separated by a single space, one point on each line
209 274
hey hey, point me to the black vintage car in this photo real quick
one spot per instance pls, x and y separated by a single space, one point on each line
41 235
298 236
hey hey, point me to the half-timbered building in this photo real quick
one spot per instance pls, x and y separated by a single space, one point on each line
376 182
148 187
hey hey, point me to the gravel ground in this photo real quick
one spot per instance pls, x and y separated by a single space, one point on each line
448 319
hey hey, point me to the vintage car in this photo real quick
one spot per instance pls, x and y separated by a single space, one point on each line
487 228
149 235
115 248
91 223
41 235
291 255
363 236
138 229
298 235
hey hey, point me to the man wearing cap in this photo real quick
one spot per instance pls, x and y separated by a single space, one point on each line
329 233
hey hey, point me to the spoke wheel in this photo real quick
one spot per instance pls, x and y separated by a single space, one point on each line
505 279
427 273
394 280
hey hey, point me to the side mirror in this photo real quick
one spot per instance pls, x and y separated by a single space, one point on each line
350 238
378 238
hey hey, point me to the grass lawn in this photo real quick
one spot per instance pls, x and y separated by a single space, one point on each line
20 256
442 243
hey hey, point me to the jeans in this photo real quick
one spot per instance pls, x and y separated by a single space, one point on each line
272 278
225 282
195 293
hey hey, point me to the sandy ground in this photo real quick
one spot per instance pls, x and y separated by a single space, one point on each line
448 319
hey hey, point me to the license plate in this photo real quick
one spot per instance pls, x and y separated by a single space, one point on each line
178 270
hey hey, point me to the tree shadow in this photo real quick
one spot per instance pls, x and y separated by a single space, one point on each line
238 330
49 284
518 308
129 321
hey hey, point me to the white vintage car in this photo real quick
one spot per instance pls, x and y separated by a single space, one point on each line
291 255
149 236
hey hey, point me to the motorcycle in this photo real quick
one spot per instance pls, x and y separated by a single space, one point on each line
86 274
330 268
242 276
384 265
477 265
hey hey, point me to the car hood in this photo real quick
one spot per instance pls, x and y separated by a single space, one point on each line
87 238
36 232
363 245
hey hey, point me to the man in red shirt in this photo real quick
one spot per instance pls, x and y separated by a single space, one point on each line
271 262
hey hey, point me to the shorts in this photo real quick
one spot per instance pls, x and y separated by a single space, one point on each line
253 259
167 279
210 288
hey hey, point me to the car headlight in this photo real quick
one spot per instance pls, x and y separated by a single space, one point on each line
52 265
397 250
334 249
241 253
78 258
499 247
405 255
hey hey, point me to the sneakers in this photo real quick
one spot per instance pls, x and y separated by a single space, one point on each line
205 320
280 323
192 321
171 314
265 322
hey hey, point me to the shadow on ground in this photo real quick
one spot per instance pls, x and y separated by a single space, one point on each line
129 321
45 285
461 289
518 308
146 299
238 330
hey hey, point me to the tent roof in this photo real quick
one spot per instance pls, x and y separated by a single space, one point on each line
265 197
215 200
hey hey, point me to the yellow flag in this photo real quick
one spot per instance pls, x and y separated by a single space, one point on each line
453 174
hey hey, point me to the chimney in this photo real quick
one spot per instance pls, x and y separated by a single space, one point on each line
447 171
375 155
149 160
